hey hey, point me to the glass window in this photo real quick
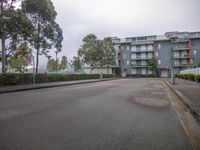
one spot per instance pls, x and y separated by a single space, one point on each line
150 47
133 48
127 48
143 48
159 46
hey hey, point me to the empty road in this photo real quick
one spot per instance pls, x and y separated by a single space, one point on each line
125 114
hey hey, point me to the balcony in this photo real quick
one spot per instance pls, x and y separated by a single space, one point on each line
140 66
180 40
178 48
141 58
181 57
182 65
143 51
141 42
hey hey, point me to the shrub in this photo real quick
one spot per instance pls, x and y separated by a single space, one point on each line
12 79
197 77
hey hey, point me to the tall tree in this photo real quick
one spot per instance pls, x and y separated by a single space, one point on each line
19 61
47 32
97 53
63 63
76 63
109 53
89 50
51 65
15 27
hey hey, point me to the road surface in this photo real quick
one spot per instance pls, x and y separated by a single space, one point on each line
125 114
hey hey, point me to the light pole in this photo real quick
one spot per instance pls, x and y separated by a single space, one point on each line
172 67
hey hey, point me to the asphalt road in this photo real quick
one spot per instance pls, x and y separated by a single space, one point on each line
126 114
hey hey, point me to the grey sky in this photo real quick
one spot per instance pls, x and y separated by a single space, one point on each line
123 18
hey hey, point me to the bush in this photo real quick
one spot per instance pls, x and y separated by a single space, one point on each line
197 77
191 77
13 79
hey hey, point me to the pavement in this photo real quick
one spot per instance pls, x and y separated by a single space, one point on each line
16 88
125 114
189 93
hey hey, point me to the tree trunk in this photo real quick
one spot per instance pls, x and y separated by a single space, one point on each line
38 48
3 55
107 70
56 62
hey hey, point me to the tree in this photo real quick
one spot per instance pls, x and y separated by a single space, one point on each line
15 27
109 52
153 65
63 63
47 32
51 65
97 53
89 50
76 63
199 64
19 61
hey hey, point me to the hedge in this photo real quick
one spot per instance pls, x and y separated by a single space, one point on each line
13 79
191 77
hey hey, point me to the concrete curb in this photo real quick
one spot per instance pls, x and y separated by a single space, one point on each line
185 101
51 86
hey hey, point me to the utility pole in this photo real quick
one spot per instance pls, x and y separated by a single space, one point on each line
172 66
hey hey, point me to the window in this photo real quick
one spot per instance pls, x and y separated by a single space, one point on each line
159 46
127 48
127 62
124 56
133 48
156 54
143 48
159 61
133 56
150 47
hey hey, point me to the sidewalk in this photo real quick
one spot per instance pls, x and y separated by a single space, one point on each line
189 93
16 88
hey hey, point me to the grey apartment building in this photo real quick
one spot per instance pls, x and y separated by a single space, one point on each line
177 50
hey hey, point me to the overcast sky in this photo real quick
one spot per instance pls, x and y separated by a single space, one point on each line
123 18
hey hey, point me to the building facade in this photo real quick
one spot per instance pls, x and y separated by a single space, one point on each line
173 50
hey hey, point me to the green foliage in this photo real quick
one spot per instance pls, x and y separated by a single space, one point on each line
153 65
15 28
51 65
11 79
47 33
199 64
19 60
63 63
191 77
97 52
197 77
76 63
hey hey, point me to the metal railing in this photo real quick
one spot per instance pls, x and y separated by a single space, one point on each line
191 71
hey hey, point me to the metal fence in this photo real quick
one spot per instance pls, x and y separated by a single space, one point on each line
191 71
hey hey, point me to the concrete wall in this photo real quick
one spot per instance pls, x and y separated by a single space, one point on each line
98 71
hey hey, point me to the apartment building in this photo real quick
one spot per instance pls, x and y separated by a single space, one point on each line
173 50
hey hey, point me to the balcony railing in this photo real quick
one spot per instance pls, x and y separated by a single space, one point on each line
180 48
143 51
182 65
140 65
182 57
141 58
141 42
